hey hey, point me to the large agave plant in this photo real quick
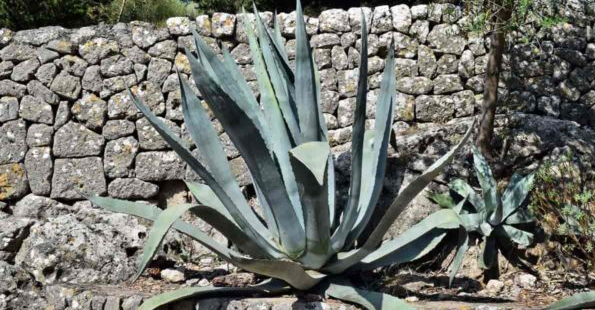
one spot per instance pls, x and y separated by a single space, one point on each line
304 240
492 215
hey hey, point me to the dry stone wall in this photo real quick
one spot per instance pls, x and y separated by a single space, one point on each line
67 124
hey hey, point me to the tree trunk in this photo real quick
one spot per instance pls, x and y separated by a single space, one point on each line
490 93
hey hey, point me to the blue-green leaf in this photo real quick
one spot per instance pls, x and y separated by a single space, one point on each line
489 188
517 190
489 252
521 216
465 190
344 290
584 300
516 235
457 261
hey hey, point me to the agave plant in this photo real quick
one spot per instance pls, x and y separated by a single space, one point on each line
492 215
304 240
584 300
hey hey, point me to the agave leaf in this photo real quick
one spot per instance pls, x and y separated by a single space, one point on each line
344 290
278 38
515 193
273 67
249 141
151 213
489 252
412 244
521 216
214 213
399 204
160 227
292 273
305 84
472 221
357 147
465 190
178 146
443 200
488 185
266 288
310 164
516 235
584 300
458 259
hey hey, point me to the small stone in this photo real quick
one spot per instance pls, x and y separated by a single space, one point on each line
13 181
426 61
132 189
494 286
46 73
420 30
405 67
164 49
45 55
12 139
178 26
76 140
405 46
149 138
382 19
121 106
159 166
24 71
223 24
137 55
447 64
115 129
116 65
62 114
145 35
526 280
39 135
172 275
73 176
347 80
91 111
401 15
39 166
447 83
464 103
466 66
10 88
549 106
241 54
5 69
36 110
38 90
414 85
67 86
334 20
445 38
339 58
72 64
329 101
345 112
325 40
405 107
328 78
9 109
158 70
203 25
117 84
61 46
96 49
119 156
434 108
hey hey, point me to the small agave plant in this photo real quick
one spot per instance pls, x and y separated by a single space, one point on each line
304 240
492 215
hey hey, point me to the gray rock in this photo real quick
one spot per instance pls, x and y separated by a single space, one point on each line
115 129
447 64
325 40
61 46
137 55
149 138
5 69
348 39
132 189
419 11
39 135
54 252
414 85
5 36
526 280
419 30
466 66
13 181
67 86
36 110
329 101
340 136
140 71
434 108
46 73
446 38
426 61
76 140
223 24
24 71
405 67
39 36
119 157
17 52
572 56
117 84
435 12
464 103
347 81
401 15
172 275
334 20
96 49
405 107
569 91
72 64
116 65
203 25
121 105
447 83
12 138
159 166
39 207
144 34
549 106
355 18
9 109
405 46
62 114
345 112
178 26
91 111
339 58
39 166
10 88
475 83
158 70
40 91
13 231
322 58
381 19
73 176
164 49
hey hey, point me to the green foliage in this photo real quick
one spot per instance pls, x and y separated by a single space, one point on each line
494 216
564 205
304 239
155 11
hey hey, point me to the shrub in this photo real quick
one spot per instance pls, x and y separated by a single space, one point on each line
154 11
